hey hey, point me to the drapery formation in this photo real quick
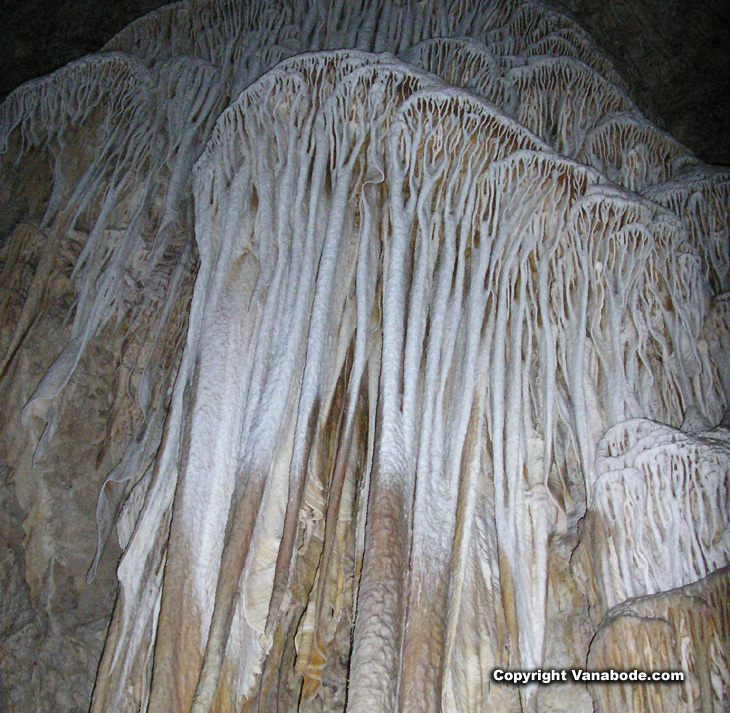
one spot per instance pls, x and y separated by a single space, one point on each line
387 325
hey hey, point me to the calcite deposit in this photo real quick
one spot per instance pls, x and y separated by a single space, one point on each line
358 349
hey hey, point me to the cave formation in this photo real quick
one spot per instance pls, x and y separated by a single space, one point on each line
351 351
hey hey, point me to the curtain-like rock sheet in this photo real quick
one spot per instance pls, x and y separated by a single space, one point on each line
466 63
388 375
561 100
98 263
702 200
668 490
633 152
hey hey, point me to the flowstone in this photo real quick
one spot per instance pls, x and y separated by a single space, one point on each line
361 349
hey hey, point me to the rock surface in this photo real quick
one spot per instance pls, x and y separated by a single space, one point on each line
349 355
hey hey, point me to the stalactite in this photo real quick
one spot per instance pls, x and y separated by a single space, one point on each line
380 342
527 23
561 100
702 200
716 335
465 63
669 488
639 357
573 42
633 152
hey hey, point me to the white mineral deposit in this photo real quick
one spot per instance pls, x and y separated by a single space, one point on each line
397 339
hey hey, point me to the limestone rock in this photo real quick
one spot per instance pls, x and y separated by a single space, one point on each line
330 370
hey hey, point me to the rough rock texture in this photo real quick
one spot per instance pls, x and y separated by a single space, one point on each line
652 633
359 350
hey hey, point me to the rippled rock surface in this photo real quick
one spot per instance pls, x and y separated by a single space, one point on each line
360 349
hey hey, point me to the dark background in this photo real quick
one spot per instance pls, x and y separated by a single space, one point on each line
675 54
